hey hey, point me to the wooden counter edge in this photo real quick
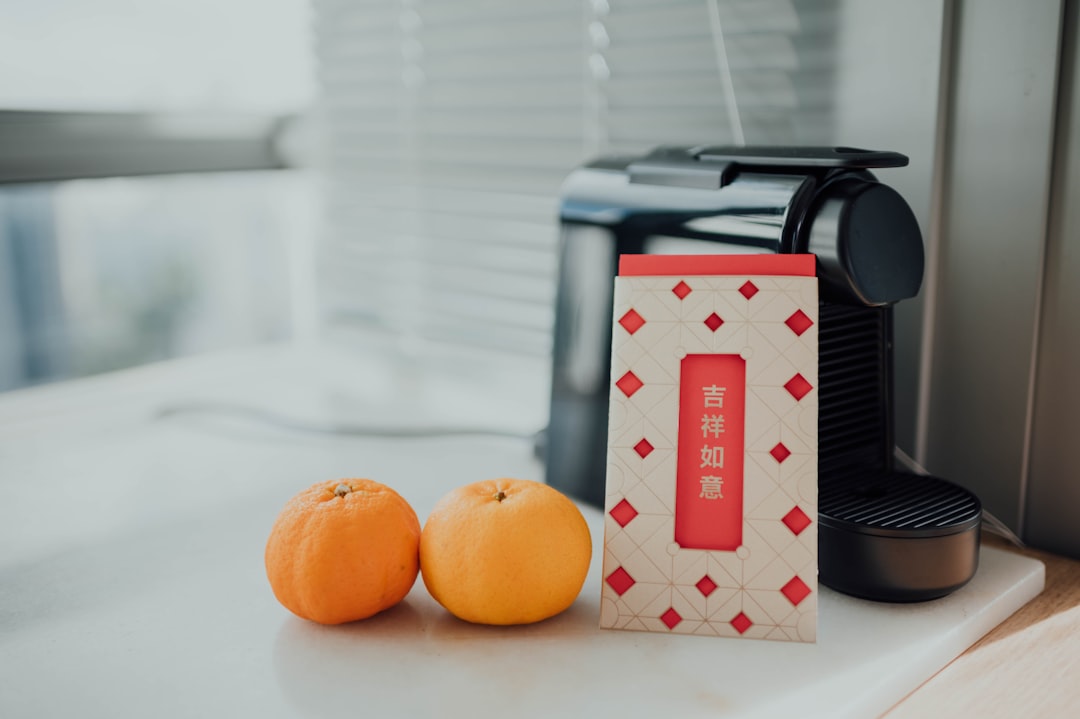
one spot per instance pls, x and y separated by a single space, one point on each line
1025 667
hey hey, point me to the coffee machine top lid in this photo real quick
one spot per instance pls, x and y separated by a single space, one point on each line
817 200
848 158
802 158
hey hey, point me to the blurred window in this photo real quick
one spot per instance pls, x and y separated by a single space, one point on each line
100 274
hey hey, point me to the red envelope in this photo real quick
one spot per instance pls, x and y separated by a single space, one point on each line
711 507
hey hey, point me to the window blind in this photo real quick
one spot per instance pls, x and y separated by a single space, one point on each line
449 127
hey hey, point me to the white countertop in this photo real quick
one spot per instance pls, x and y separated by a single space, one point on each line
132 583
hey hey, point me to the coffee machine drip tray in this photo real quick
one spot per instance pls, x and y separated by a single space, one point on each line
897 537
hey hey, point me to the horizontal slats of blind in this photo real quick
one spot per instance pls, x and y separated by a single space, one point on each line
451 125
665 75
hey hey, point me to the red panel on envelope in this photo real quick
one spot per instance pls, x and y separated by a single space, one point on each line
709 474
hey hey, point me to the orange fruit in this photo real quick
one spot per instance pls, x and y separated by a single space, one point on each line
505 551
343 550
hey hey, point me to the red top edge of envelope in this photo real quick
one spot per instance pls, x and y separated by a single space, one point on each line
670 265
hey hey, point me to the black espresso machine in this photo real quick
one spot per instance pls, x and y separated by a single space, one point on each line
883 534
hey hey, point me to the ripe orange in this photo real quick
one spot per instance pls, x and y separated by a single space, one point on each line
343 550
505 551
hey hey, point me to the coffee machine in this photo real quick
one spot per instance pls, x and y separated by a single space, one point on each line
883 534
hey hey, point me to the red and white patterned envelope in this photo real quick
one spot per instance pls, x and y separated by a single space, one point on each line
711 508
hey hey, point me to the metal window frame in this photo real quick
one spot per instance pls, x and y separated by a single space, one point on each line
51 146
981 329
1053 483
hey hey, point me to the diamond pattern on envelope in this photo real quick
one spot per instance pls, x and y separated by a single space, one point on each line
798 322
623 513
629 383
632 321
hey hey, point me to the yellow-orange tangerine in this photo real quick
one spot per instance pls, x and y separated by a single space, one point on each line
505 551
